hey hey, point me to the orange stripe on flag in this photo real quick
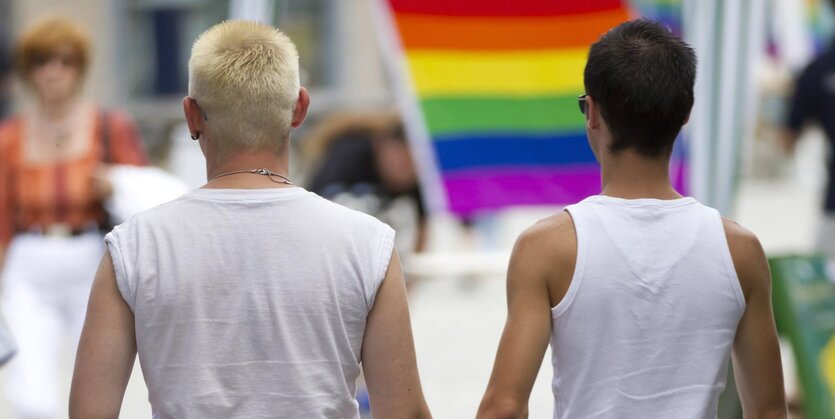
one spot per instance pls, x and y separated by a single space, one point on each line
420 31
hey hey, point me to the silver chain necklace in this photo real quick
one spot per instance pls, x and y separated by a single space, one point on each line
266 172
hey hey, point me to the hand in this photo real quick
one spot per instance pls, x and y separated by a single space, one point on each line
101 184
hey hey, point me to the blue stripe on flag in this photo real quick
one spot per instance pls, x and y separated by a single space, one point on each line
501 150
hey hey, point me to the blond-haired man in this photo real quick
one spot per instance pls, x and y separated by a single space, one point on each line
248 297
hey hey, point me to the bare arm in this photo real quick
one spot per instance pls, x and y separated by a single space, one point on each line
528 328
388 352
106 351
756 353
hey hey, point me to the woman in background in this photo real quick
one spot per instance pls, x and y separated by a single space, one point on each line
52 162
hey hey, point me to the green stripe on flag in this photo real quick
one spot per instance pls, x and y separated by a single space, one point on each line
452 115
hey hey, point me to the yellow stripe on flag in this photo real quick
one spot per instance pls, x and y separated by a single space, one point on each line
448 73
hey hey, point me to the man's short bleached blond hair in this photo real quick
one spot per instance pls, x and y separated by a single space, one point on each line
245 78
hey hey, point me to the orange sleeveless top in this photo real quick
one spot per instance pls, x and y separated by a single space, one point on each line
39 195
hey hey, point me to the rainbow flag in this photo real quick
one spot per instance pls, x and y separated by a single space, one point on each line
495 85
666 12
820 24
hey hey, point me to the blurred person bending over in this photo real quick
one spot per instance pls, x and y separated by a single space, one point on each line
814 101
644 294
248 297
366 159
51 192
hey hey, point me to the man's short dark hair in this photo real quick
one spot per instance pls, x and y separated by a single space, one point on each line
642 76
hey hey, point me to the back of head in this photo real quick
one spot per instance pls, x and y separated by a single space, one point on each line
642 78
245 78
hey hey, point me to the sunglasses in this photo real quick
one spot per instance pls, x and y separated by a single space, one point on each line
581 100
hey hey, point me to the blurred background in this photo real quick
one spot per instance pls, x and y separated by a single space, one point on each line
409 122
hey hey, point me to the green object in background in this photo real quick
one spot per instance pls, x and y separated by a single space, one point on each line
804 308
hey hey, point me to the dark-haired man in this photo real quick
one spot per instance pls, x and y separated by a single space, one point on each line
643 294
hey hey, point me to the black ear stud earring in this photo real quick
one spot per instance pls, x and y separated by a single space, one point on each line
195 137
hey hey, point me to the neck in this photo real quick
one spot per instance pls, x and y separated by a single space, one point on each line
631 176
56 109
246 161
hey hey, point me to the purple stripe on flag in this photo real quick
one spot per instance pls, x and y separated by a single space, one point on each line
471 191
680 175
489 189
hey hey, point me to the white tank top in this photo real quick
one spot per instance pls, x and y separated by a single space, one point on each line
647 325
250 303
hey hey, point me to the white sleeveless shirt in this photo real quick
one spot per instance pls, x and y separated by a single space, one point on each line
250 303
647 325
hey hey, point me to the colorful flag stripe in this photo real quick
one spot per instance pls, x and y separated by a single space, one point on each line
474 190
493 33
484 114
512 150
457 73
486 189
503 7
496 84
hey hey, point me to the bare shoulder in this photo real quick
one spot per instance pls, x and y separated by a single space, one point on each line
554 234
748 256
743 244
547 251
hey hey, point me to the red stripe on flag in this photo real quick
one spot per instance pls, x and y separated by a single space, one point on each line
493 33
503 7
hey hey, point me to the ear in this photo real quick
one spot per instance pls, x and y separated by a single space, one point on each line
194 116
686 120
592 113
300 112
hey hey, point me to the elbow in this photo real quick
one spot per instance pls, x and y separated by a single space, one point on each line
493 407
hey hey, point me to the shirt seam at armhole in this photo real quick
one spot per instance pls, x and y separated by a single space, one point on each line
577 277
728 263
386 245
120 270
